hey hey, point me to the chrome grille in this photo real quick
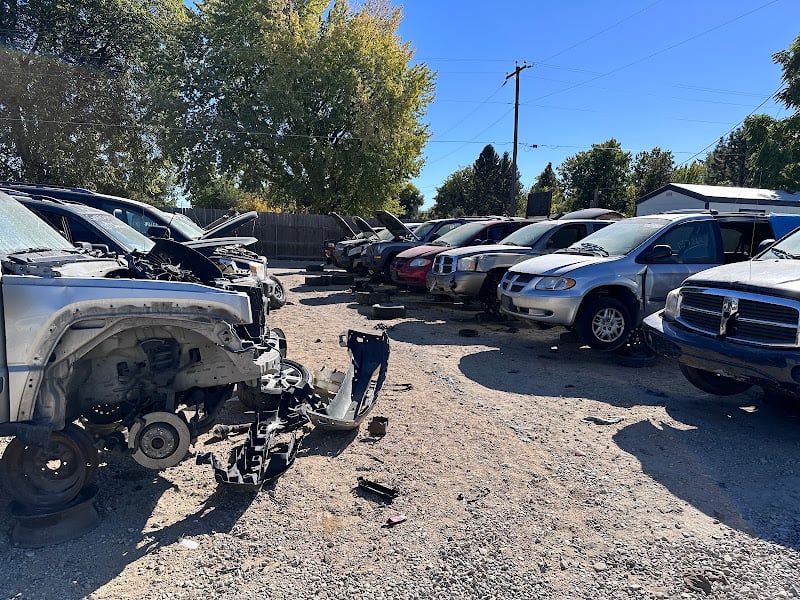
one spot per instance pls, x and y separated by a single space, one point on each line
444 264
758 320
515 282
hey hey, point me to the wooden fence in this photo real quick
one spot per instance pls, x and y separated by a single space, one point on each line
280 235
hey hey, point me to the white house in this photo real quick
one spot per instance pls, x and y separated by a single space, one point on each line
679 196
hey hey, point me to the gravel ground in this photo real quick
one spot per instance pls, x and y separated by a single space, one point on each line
508 492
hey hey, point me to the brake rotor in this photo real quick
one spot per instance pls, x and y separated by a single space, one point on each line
159 439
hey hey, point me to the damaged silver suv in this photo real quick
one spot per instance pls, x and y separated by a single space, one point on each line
143 365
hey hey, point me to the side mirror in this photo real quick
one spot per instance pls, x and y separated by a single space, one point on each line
764 244
159 231
657 252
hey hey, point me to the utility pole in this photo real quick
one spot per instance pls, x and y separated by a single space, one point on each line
513 193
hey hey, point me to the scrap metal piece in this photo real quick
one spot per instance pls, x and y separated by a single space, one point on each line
384 492
259 460
377 426
356 391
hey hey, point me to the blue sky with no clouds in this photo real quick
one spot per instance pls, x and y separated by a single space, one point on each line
676 74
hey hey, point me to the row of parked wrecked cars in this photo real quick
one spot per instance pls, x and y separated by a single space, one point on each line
720 292
127 328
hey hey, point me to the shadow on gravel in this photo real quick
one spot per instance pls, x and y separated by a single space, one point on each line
739 464
339 297
326 443
130 529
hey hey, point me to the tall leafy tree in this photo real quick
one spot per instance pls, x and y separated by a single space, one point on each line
726 164
789 60
453 195
321 103
601 172
75 93
694 173
651 170
410 199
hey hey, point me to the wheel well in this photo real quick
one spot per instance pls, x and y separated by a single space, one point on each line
617 292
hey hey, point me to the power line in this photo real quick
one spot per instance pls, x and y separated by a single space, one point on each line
662 51
767 99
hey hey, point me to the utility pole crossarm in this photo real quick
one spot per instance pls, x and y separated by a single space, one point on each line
512 206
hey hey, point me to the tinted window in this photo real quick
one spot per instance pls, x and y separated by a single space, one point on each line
691 243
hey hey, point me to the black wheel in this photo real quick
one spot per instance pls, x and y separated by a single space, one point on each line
488 294
53 475
387 269
292 376
278 297
604 323
711 383
318 280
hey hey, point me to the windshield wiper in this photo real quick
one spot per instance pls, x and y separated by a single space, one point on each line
595 248
783 254
42 249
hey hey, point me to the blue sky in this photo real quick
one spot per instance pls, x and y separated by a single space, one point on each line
676 74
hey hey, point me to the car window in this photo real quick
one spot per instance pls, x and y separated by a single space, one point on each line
566 235
497 233
56 221
23 230
79 232
691 243
444 229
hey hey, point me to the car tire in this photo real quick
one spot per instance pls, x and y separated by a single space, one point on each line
315 268
488 294
278 297
604 323
317 280
387 269
711 383
342 279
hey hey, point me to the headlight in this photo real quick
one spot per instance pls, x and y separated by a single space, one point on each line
469 263
673 305
554 284
420 262
259 270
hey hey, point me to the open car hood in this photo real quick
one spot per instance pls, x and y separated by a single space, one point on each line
393 224
344 224
365 227
229 225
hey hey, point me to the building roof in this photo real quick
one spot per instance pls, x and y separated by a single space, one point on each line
721 193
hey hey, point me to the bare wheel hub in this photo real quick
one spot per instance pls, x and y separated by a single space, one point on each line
159 440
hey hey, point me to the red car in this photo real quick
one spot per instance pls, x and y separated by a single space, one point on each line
411 266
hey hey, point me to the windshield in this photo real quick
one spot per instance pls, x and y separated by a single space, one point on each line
124 234
185 226
528 235
787 248
23 230
461 236
424 229
618 238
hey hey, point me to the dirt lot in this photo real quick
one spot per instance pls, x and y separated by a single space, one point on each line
507 491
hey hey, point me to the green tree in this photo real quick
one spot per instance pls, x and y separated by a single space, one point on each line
726 164
651 170
453 195
410 200
74 96
694 173
789 60
322 104
487 189
547 181
601 173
